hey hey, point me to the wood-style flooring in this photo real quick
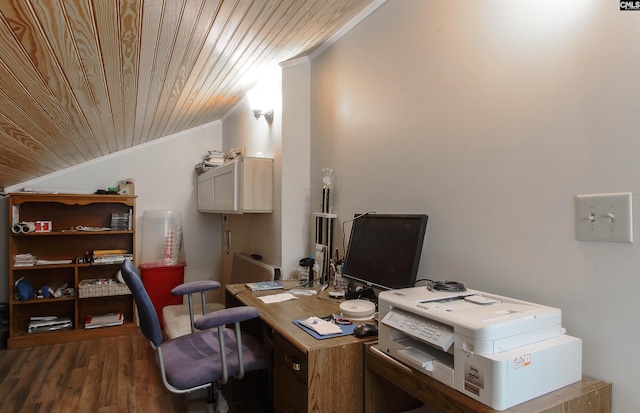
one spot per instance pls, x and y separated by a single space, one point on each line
115 374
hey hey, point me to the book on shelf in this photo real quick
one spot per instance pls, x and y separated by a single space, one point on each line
111 259
102 253
104 320
264 285
49 323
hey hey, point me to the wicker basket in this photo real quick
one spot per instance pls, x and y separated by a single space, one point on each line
101 288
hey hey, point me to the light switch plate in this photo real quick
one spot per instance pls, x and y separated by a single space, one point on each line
604 217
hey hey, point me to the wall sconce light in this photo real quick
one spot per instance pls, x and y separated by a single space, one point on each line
259 100
268 115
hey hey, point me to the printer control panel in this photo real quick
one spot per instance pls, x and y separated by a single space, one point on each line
430 331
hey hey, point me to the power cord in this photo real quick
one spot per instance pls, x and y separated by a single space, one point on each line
350 220
451 286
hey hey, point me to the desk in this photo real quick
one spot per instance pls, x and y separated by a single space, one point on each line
381 396
309 375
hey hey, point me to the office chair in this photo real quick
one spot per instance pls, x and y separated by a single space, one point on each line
201 360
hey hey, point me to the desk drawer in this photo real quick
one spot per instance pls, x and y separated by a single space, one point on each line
290 369
290 393
291 359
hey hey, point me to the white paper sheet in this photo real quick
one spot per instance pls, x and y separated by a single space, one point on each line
321 326
276 298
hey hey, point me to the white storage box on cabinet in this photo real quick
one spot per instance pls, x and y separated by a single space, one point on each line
240 186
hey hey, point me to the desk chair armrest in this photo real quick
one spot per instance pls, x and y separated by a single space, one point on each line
220 318
195 287
226 316
189 288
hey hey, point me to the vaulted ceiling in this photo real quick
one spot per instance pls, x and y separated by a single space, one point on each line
80 79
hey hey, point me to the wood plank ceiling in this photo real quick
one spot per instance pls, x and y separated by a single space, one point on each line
80 79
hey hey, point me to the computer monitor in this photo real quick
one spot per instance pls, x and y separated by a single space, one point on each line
384 249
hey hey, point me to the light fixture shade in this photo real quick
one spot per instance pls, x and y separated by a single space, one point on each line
260 104
268 115
258 98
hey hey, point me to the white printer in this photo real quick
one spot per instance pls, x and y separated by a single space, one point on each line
497 350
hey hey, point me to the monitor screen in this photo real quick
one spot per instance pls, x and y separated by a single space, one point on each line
384 249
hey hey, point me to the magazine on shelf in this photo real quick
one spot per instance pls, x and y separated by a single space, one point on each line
104 320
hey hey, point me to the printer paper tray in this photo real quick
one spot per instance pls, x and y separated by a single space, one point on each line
425 359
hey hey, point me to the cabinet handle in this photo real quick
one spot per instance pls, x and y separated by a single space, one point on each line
291 363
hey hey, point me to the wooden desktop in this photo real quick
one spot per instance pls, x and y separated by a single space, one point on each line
310 375
348 374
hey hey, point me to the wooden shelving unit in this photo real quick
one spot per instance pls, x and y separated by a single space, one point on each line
67 212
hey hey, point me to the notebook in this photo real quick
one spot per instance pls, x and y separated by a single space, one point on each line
346 330
105 320
264 285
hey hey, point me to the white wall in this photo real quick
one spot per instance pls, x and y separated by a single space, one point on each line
165 179
296 158
255 233
490 116
282 238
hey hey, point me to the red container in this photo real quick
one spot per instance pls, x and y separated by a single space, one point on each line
159 280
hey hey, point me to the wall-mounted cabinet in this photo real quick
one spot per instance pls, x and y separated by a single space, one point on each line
54 254
244 185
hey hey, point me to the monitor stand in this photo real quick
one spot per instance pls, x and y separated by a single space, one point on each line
357 292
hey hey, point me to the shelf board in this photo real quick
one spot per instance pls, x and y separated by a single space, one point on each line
35 301
20 340
325 215
44 267
93 297
69 232
71 199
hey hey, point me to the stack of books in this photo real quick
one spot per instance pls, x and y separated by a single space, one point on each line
121 221
24 260
48 323
105 320
116 256
212 159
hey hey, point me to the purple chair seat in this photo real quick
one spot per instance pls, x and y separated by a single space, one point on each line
195 359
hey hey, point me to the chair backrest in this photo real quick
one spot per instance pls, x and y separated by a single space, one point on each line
149 323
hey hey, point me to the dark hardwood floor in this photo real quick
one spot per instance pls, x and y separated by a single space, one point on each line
116 374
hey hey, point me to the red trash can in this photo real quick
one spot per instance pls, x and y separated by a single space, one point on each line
159 280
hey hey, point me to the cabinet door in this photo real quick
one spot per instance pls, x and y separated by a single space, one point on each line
218 189
257 185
